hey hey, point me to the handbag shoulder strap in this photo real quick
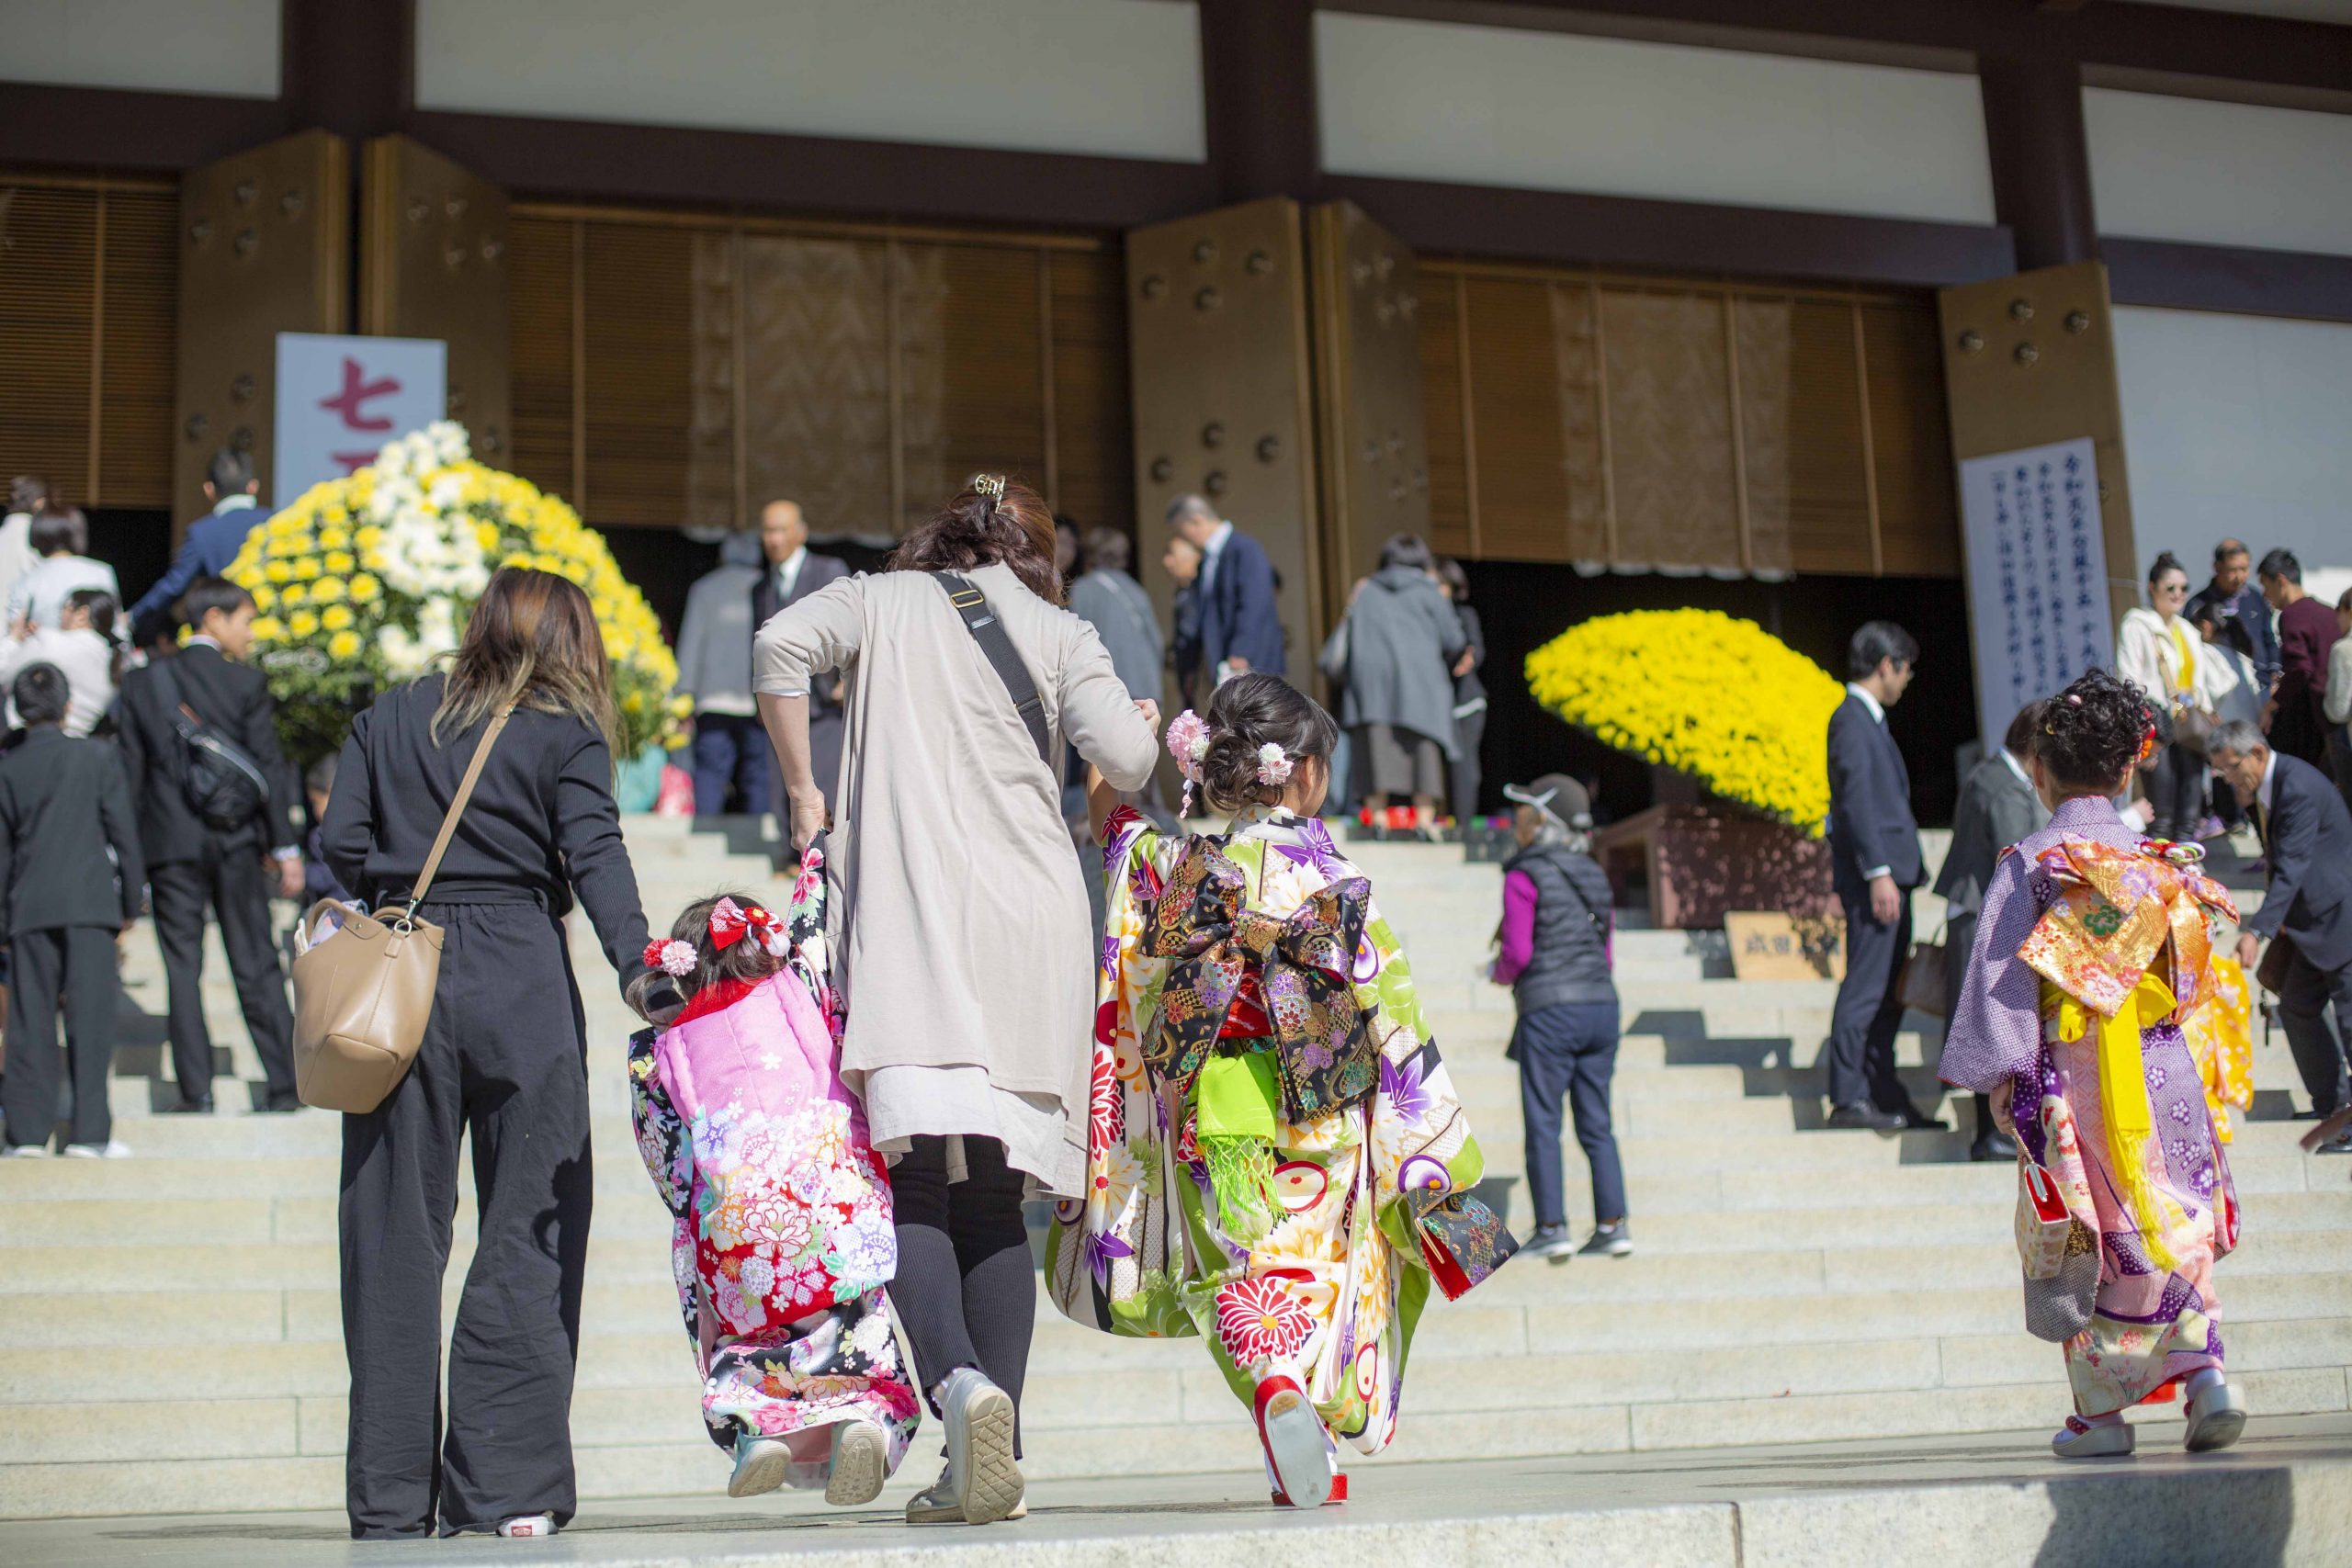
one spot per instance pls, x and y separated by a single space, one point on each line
972 605
458 805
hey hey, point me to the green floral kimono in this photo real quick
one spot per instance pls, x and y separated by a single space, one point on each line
1276 1159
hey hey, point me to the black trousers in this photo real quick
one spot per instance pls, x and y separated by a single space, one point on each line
2302 1007
1569 1051
1870 1008
1463 773
2175 792
234 884
502 1062
966 1291
73 964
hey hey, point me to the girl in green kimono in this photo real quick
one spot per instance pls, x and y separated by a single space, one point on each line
1276 1159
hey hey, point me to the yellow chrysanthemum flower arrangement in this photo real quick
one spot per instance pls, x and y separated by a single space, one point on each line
365 582
1721 699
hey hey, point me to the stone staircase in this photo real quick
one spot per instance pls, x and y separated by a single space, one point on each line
1792 1284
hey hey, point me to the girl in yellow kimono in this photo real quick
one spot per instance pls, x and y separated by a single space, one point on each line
2093 953
1276 1159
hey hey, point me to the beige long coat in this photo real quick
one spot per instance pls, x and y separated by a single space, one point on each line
962 938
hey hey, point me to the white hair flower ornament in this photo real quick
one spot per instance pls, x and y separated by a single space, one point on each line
1273 765
1188 743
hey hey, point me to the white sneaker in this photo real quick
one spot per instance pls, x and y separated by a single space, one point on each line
937 1504
759 1465
528 1527
981 1484
113 1149
27 1151
861 1462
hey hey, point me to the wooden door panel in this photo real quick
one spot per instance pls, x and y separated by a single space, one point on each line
1375 465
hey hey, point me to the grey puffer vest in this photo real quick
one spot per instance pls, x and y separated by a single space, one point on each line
1573 920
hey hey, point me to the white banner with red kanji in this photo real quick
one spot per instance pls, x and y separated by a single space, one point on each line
340 398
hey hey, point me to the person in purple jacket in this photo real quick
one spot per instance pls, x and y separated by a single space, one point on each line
1556 938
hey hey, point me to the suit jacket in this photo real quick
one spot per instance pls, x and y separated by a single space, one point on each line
64 804
1996 808
1870 804
2307 837
1237 614
816 573
1184 639
234 700
212 543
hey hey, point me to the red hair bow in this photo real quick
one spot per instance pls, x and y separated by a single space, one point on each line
730 922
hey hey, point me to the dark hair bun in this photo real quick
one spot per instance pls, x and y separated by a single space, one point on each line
1248 712
2091 732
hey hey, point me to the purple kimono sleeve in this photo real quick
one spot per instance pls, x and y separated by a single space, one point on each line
1996 1031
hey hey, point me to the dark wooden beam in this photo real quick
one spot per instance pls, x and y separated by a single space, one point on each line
100 128
2228 278
347 65
1687 237
1258 91
2040 157
594 161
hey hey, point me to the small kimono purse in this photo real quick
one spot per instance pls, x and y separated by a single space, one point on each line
2061 1258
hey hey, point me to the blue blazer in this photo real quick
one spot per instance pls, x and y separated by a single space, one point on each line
1870 804
212 543
1238 614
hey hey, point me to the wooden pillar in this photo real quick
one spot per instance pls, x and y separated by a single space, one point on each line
347 65
1258 85
2041 158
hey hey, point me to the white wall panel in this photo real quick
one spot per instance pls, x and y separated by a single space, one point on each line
2217 174
1119 77
1558 111
2234 425
226 47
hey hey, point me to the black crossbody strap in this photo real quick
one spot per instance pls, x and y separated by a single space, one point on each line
989 633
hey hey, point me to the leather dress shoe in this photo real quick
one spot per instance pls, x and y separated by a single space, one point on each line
280 1105
1862 1114
1912 1119
1993 1146
200 1106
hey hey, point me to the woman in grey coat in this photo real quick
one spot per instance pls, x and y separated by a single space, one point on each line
1393 660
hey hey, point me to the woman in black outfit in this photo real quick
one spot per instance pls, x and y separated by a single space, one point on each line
503 1057
1469 692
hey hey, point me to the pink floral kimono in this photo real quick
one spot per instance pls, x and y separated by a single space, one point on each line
784 1240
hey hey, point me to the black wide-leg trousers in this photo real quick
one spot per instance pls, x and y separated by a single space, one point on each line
503 1061
234 884
966 1291
73 964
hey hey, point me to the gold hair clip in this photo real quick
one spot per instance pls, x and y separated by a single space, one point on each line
990 485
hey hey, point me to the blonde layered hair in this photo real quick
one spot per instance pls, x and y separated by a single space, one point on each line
531 642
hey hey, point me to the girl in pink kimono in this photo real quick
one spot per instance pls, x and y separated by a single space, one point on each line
785 1240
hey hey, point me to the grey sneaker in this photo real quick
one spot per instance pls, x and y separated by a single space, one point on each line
1610 1241
760 1465
981 1484
937 1504
1552 1242
861 1462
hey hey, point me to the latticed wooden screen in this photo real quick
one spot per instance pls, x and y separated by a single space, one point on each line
88 295
674 369
1645 424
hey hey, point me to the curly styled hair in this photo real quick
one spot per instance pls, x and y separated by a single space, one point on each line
2092 731
1246 712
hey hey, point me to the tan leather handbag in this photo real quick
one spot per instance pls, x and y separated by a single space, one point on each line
361 997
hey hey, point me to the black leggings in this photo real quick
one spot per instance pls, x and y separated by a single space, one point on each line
966 1291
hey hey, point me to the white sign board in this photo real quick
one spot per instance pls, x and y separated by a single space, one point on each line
340 398
2037 575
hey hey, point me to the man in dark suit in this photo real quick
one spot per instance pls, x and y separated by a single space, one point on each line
2307 843
1240 628
70 874
1183 561
212 541
2241 612
1998 806
1874 865
191 865
791 576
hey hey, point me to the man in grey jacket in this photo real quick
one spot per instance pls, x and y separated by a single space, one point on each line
731 750
1111 601
1998 806
1393 659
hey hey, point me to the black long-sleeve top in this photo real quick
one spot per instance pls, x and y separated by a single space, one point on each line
541 821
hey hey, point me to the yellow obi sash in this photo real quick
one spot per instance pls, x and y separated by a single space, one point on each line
2123 1097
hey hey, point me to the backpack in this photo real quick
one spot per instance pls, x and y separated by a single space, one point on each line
224 786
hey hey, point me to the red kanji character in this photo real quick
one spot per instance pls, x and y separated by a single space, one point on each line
356 392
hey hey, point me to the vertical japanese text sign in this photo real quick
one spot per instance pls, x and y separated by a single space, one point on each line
340 398
2037 576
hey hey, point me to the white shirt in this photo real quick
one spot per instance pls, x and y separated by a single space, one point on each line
43 591
787 574
16 555
83 657
1211 551
1878 716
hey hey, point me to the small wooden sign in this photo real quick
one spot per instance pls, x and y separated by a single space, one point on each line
1768 944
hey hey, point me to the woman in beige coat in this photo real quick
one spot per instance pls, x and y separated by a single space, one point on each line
961 934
